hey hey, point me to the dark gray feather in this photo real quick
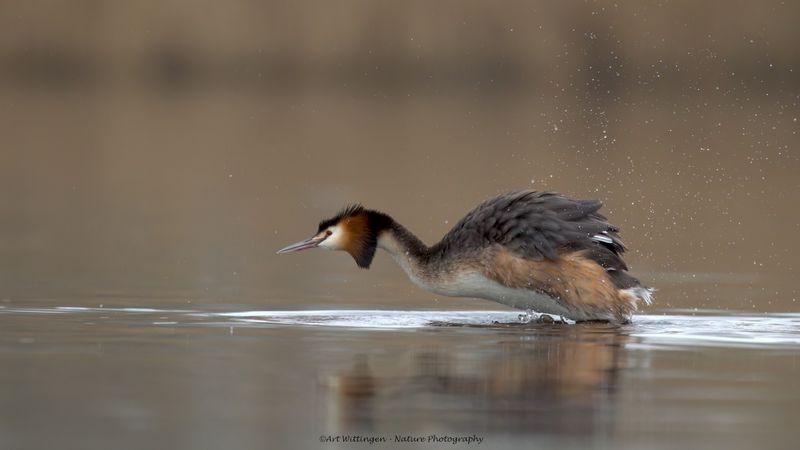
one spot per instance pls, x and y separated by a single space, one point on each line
537 225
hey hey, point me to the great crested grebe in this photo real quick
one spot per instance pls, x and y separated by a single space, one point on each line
530 250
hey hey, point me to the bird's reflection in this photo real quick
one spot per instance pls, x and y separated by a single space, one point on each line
554 379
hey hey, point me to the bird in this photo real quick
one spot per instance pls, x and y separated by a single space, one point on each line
537 251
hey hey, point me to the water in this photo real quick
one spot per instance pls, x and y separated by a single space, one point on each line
212 377
155 155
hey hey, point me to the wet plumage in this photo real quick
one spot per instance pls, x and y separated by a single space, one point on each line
542 225
529 250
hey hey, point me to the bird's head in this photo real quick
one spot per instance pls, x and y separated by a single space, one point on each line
354 230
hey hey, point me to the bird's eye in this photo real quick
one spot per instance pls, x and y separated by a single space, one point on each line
328 232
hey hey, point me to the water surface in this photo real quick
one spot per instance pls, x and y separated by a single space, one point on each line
212 377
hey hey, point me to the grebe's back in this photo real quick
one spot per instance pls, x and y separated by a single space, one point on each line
541 251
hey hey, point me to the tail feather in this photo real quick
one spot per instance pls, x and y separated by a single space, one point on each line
642 293
622 279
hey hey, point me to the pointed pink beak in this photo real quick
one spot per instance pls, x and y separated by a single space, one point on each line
303 245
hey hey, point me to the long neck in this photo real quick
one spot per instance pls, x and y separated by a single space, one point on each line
407 250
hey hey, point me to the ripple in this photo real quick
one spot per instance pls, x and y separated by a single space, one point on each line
721 329
379 319
705 328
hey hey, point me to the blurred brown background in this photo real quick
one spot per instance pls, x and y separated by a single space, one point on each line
163 150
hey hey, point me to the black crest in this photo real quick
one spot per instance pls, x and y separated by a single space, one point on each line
348 211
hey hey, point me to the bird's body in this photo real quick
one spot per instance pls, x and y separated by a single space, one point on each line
530 250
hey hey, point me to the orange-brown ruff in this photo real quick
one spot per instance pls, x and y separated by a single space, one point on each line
530 250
